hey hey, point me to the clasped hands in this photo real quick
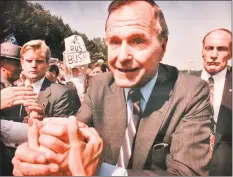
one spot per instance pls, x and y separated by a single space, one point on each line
59 146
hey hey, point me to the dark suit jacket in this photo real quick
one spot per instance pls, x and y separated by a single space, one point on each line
221 162
177 113
58 100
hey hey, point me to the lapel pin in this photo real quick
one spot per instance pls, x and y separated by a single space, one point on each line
230 90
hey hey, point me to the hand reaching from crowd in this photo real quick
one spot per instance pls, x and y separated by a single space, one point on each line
59 147
16 95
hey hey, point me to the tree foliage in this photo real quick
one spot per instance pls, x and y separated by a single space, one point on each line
29 21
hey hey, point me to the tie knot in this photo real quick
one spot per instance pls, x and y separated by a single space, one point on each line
135 95
211 79
30 86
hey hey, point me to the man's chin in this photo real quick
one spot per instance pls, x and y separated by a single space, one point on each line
124 83
213 71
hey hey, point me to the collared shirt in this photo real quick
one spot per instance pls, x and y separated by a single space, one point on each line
219 81
146 92
36 86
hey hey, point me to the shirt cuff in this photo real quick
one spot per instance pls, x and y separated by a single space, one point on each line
13 133
111 170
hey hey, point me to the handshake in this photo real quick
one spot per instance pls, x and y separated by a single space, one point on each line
59 147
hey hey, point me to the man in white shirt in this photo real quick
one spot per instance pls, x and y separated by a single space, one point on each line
217 50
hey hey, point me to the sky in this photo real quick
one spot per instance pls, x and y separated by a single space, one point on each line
188 22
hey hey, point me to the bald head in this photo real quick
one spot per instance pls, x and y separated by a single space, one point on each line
217 50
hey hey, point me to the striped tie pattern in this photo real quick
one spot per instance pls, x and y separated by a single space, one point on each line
212 136
128 141
211 86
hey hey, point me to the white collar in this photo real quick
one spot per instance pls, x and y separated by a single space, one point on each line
36 85
222 74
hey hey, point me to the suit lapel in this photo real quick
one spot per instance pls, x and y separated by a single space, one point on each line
217 138
153 117
115 120
224 123
45 92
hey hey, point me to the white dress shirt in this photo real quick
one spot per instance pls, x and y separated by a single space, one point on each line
219 81
36 86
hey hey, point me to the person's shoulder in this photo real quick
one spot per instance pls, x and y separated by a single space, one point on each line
190 83
55 87
182 80
103 79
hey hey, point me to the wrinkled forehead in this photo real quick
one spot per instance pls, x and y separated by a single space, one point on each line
219 38
135 13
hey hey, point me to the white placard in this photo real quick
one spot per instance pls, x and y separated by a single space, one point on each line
75 52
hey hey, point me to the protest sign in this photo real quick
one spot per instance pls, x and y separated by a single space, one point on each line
75 52
53 60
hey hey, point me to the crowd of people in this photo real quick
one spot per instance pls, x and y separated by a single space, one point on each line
131 116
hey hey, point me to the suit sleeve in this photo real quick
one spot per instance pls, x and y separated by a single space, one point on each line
189 149
67 104
13 133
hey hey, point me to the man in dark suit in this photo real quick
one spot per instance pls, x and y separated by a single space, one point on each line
57 99
216 52
153 120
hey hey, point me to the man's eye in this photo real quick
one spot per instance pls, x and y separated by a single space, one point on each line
209 48
138 41
222 49
114 42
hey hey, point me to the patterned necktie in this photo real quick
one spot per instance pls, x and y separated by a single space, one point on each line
211 86
129 138
212 136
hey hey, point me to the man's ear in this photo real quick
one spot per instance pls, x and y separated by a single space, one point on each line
163 46
202 53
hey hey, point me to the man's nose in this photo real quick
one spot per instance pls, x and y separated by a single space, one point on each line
214 54
124 52
33 63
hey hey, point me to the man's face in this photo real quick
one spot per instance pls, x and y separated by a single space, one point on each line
51 76
95 71
216 51
75 72
34 67
12 69
134 51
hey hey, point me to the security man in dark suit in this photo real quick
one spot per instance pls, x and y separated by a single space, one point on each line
216 52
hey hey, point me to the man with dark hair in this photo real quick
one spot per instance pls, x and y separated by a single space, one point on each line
53 73
216 52
153 120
